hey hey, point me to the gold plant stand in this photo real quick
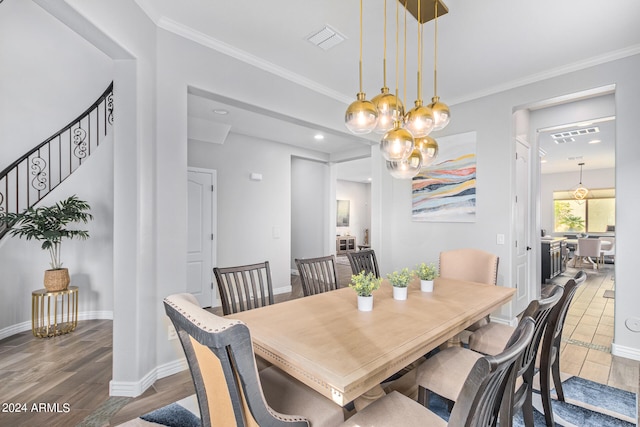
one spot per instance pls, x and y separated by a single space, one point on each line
54 313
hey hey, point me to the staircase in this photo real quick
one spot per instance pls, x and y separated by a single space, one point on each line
34 175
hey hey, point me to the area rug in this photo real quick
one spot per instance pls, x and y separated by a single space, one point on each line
343 260
588 404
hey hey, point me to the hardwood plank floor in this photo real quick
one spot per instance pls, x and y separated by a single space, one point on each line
75 369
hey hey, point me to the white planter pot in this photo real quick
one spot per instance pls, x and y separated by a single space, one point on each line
365 303
400 293
426 285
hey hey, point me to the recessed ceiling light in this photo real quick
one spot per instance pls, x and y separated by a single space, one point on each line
221 112
318 137
543 161
595 141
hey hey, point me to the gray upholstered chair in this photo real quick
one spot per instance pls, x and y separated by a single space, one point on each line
470 264
229 390
589 249
610 251
491 339
364 260
244 287
550 354
317 275
478 402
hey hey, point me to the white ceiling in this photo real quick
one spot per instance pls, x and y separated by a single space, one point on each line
483 47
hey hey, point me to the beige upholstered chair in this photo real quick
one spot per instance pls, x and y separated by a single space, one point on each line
550 354
479 399
244 287
364 260
470 264
610 251
492 338
229 389
588 249
317 275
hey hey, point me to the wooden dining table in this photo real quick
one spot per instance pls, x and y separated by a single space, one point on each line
325 342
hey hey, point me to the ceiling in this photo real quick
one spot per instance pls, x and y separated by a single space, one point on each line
481 50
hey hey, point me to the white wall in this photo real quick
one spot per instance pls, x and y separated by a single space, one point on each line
34 106
405 242
597 178
359 195
309 209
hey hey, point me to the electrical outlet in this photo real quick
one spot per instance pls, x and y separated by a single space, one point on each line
171 333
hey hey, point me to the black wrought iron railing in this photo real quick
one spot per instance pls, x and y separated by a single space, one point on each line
34 175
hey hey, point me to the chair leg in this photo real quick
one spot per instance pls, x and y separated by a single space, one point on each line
527 409
545 393
423 396
555 370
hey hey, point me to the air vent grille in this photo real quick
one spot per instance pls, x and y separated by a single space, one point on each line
577 132
326 38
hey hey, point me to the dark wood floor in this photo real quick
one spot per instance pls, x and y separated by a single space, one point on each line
75 369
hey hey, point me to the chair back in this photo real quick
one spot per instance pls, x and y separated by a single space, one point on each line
364 260
480 398
588 247
245 287
553 333
469 264
220 357
317 275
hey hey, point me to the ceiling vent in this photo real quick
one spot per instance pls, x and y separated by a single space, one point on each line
326 38
575 158
564 140
577 132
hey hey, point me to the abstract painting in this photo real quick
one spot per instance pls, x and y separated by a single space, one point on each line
446 190
342 213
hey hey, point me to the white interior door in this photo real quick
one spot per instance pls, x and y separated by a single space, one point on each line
523 243
201 244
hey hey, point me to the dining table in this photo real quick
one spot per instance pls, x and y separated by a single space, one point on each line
325 342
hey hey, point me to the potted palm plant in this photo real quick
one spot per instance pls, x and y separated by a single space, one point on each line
400 281
426 273
49 225
364 284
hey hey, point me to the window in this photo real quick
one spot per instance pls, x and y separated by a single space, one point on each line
593 215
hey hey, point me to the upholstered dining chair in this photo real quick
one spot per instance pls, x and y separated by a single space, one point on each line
228 387
244 287
491 339
364 260
479 400
550 354
317 275
610 250
470 264
589 249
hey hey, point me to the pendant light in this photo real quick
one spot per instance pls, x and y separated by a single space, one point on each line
389 106
397 144
581 192
407 168
441 113
419 120
428 148
361 116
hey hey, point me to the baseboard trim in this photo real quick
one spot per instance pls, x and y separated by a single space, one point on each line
136 388
626 352
512 322
26 326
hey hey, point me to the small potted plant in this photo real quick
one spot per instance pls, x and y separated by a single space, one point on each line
400 281
364 284
426 273
48 224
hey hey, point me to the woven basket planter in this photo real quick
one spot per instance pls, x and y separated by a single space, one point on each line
56 280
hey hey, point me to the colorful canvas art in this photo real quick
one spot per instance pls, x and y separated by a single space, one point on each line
446 190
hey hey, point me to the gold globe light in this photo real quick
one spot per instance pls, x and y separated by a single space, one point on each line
361 116
441 113
581 192
428 148
419 120
397 144
390 109
407 168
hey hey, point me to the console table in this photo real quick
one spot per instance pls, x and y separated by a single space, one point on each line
54 313
345 244
552 254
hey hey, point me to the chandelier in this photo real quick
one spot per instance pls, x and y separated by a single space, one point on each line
406 145
581 192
